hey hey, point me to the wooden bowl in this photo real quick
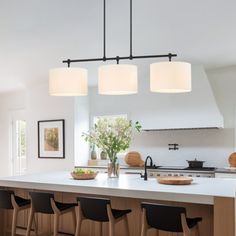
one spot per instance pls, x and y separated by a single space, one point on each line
232 160
83 176
134 159
174 180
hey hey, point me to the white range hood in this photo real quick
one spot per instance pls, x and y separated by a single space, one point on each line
195 110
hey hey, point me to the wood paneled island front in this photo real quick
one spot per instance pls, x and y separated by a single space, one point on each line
210 198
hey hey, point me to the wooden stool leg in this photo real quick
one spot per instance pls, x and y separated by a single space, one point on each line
111 221
111 228
144 227
30 220
5 223
14 222
56 225
74 218
79 222
186 230
35 225
126 226
78 226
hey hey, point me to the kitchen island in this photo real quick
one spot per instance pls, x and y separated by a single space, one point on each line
212 199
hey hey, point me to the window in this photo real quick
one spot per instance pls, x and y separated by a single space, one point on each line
19 147
21 138
95 119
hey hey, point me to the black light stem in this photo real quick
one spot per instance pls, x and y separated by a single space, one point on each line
131 30
117 60
104 30
68 63
170 57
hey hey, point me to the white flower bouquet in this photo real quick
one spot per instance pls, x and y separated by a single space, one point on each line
112 135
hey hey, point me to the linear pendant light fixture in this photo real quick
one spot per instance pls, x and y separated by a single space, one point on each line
120 79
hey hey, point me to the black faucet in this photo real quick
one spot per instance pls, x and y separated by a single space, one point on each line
145 167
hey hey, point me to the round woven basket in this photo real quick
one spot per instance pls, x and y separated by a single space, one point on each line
83 176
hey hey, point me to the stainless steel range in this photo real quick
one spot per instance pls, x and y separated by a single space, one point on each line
155 171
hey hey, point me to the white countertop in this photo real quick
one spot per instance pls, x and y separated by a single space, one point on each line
105 167
202 190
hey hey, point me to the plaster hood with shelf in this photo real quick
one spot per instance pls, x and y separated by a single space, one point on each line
195 110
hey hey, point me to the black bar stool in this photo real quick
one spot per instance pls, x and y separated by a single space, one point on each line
168 218
99 209
45 203
8 200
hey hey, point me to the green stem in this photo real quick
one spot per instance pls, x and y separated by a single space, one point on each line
112 155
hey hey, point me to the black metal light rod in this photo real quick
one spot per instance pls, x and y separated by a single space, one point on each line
154 56
69 61
118 58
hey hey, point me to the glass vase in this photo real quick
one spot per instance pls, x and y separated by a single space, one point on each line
93 155
113 168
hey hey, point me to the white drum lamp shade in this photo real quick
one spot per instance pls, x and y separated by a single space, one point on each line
170 77
68 82
118 79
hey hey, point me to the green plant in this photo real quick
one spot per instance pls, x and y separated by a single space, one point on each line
112 135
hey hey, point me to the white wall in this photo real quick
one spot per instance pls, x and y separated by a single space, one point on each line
212 146
81 126
41 106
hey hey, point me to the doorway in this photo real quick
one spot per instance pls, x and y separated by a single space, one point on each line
19 160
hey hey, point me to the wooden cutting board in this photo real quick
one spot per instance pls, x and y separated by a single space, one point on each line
174 180
232 160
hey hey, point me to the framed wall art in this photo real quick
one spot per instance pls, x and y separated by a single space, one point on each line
51 139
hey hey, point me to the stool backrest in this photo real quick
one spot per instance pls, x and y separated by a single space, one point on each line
41 202
164 217
5 199
94 208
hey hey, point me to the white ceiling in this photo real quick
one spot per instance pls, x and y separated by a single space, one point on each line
36 35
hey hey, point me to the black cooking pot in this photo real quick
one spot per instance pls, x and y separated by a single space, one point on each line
195 163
